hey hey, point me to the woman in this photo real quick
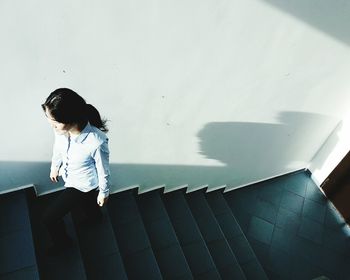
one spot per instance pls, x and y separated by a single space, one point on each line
80 156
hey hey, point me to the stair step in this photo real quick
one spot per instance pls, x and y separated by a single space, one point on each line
165 245
27 273
195 250
17 254
98 247
131 236
219 248
235 237
67 265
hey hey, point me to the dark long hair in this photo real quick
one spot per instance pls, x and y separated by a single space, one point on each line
68 107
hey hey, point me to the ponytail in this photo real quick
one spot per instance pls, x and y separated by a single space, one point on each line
95 119
68 107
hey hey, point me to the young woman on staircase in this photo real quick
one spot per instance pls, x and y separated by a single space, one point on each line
81 157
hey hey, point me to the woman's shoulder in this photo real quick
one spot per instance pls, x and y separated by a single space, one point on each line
97 136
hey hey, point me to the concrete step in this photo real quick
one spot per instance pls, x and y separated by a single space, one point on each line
17 254
135 247
67 265
192 242
98 247
219 248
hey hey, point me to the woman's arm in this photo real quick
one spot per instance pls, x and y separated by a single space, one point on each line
56 162
101 157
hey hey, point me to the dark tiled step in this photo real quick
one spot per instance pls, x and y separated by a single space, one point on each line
67 265
166 247
131 236
235 237
17 255
27 273
98 248
218 246
193 245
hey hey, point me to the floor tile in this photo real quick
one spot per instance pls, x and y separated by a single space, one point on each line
279 262
266 211
288 220
297 183
271 193
314 211
313 193
243 200
300 269
333 219
332 262
292 202
311 230
306 250
337 240
282 239
261 230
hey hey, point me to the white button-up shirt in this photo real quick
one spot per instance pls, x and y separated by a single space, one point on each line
83 161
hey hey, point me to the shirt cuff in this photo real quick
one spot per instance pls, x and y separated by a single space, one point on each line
56 166
103 194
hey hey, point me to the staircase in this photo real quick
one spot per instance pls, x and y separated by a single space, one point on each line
148 236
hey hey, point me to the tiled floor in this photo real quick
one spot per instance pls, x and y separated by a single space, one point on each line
294 230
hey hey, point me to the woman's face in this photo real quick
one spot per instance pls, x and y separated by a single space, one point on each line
60 128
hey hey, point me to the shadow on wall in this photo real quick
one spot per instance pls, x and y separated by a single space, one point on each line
254 151
329 16
250 152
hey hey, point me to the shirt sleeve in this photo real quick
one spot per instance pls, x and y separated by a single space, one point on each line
101 157
56 160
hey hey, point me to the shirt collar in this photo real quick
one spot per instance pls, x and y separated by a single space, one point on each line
84 133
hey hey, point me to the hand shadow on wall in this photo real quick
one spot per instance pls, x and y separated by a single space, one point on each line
254 151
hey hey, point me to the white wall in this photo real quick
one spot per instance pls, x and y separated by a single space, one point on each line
199 92
331 152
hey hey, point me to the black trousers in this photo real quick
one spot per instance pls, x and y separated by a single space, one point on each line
67 201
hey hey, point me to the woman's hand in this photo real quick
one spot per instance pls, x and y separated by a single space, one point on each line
54 175
101 200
